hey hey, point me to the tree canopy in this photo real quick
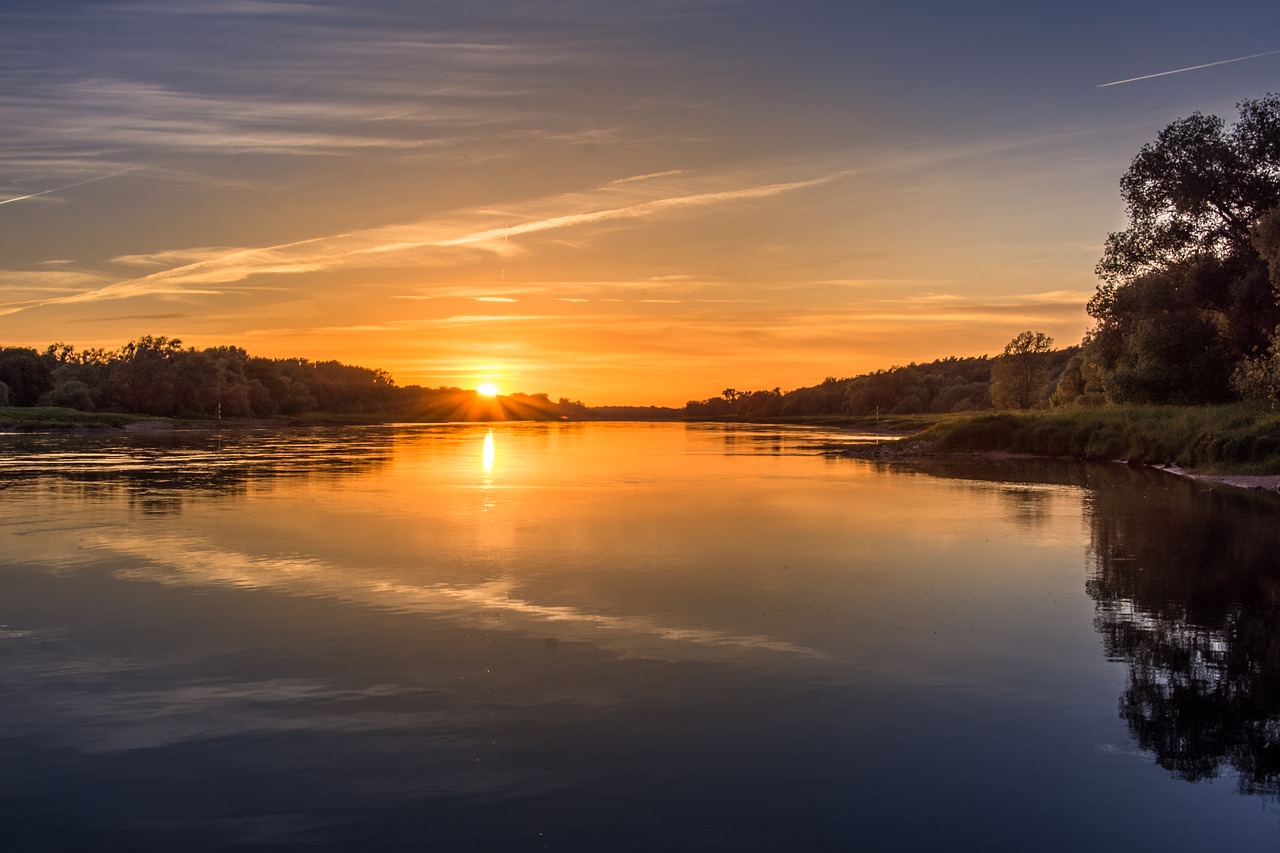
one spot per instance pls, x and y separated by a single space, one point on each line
1186 295
1197 191
1020 376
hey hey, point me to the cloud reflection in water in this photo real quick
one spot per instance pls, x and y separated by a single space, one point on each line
193 561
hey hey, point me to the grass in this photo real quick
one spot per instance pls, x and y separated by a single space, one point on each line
1237 439
47 418
39 418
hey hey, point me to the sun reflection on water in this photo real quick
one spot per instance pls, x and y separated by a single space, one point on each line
487 455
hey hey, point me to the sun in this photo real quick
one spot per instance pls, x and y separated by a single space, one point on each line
487 389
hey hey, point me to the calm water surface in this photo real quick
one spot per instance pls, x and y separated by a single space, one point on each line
625 637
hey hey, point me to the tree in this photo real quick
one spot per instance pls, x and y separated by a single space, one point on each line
26 375
1160 344
1020 376
1266 240
1197 191
1185 294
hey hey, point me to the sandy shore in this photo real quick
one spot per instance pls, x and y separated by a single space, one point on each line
1265 482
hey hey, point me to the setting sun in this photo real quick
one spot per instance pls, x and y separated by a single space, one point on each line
487 389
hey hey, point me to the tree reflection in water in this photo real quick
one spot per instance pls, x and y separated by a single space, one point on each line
158 472
1186 582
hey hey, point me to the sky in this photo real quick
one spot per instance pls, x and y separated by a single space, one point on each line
620 203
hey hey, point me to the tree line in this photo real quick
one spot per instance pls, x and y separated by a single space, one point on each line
1020 379
159 376
1187 310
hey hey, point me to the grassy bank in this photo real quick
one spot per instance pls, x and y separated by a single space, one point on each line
1237 439
52 418
39 418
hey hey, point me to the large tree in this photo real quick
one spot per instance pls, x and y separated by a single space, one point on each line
1185 294
1197 191
1020 377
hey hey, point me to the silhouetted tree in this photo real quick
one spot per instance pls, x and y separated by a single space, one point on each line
1020 375
1197 191
26 374
1186 279
1158 343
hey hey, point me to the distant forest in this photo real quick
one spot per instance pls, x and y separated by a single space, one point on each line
158 376
946 385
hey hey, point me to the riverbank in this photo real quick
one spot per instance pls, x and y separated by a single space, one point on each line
1263 482
1235 445
1238 440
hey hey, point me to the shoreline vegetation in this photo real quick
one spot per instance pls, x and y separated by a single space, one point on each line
1236 445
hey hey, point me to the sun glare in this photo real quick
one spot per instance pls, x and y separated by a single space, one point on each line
487 454
487 389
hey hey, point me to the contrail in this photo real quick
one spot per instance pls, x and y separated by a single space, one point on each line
69 186
1192 68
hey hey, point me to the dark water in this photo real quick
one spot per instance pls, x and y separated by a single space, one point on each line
625 637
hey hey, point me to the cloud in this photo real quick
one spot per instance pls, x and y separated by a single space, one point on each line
150 117
47 280
224 7
167 257
882 282
469 319
401 244
642 210
648 177
123 317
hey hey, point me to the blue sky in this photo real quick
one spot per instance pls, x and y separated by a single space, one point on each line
642 202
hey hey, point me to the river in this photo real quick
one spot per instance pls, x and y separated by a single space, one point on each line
625 637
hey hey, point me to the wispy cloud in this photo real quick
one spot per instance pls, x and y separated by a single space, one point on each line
671 173
225 7
145 116
380 246
1189 68
636 211
124 317
47 280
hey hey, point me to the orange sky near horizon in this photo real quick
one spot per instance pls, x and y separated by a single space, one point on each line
638 205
